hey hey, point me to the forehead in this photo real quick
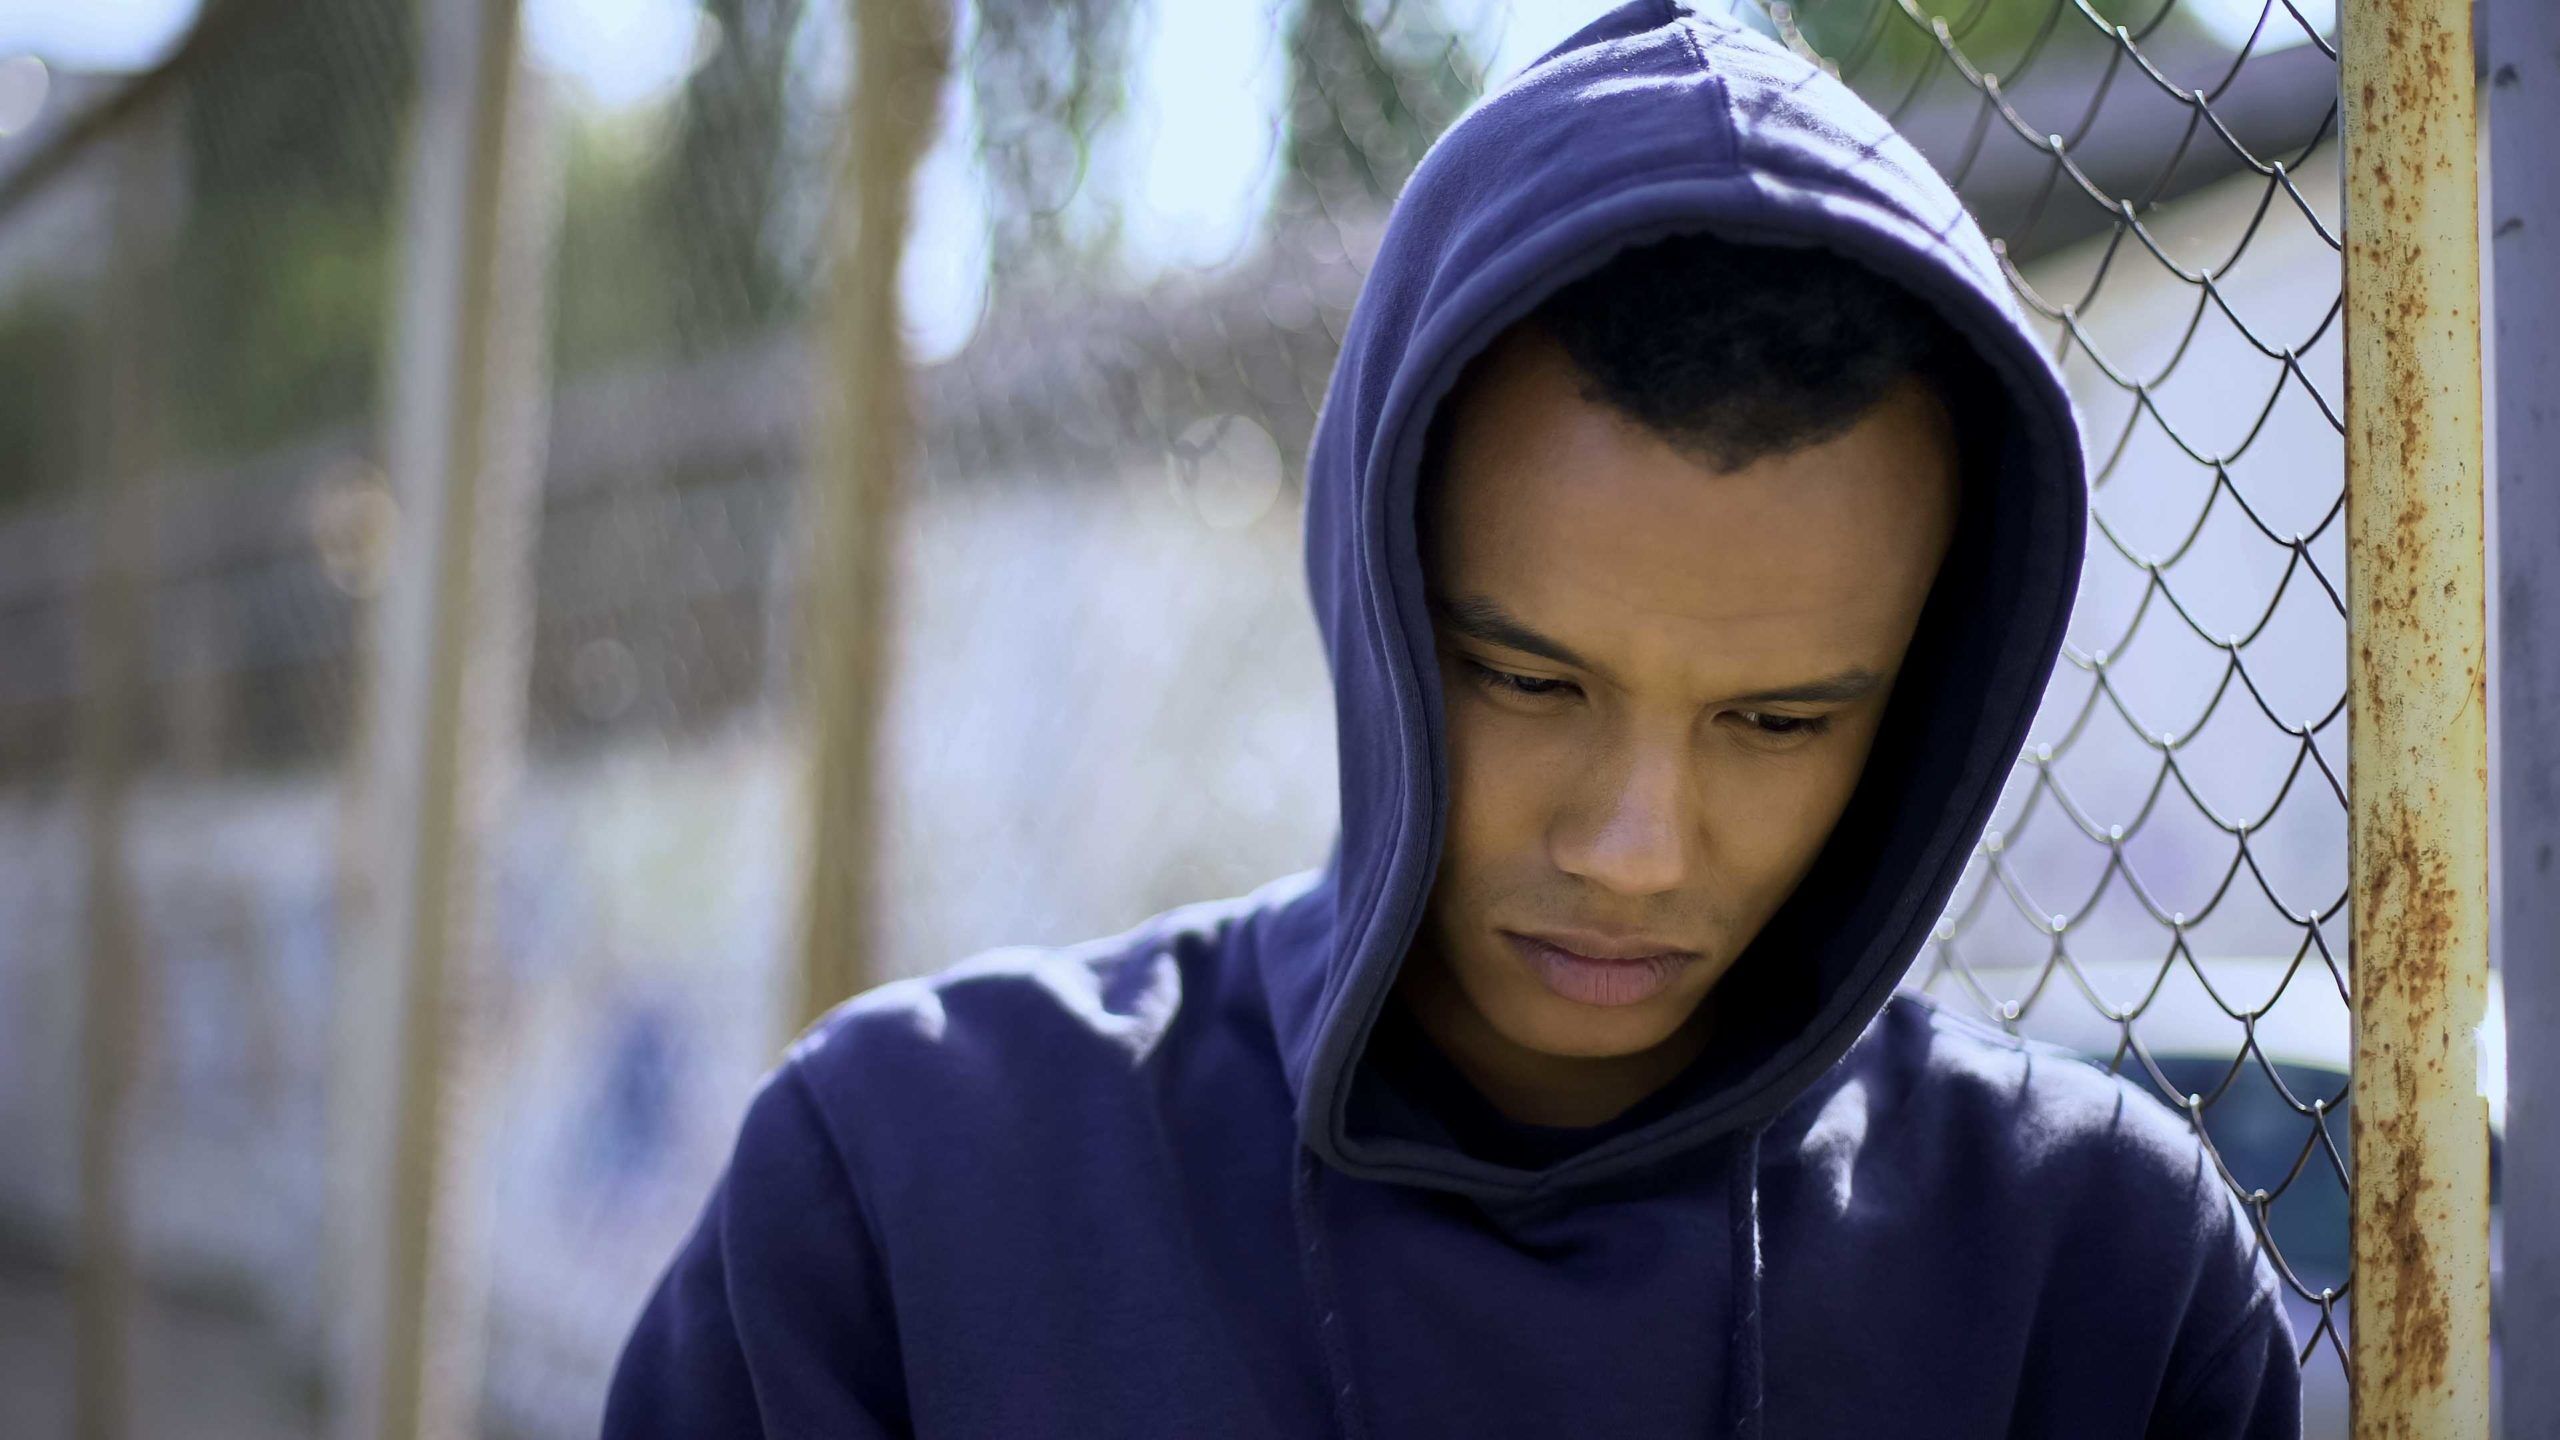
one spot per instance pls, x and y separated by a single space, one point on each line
1579 520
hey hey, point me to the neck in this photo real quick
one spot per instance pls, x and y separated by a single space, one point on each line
1533 1086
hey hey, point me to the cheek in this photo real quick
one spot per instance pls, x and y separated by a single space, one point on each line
1502 770
1773 815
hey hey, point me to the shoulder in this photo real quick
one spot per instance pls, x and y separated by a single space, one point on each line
2030 1143
1117 995
2112 1190
2048 1190
1029 1036
2087 1175
2053 1112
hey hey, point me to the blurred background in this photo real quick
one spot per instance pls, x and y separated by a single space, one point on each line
400 894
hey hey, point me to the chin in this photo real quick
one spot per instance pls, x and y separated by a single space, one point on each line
1553 1025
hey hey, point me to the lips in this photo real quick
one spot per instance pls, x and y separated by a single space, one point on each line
1601 970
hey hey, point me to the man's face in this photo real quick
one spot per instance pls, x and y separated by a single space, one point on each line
1661 683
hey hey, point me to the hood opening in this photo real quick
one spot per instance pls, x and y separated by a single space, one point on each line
1652 123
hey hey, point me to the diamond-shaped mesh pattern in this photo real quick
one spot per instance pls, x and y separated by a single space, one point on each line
2164 884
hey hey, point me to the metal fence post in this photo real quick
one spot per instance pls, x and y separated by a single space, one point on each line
446 669
2417 675
866 438
2524 110
126 425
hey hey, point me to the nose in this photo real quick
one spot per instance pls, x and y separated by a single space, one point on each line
1632 833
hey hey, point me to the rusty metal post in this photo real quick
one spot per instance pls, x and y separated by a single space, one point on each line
2417 674
125 434
866 436
466 392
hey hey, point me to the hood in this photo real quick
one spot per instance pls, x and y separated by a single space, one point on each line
1654 120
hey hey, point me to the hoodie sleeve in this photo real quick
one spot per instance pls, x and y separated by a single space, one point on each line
774 1318
2246 1385
2232 1370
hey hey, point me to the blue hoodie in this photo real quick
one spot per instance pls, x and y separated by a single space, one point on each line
1165 1184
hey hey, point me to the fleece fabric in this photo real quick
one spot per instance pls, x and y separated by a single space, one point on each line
1184 1181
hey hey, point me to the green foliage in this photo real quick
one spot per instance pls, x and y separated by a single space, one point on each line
615 288
40 400
1045 79
283 267
716 199
1371 85
282 305
1887 48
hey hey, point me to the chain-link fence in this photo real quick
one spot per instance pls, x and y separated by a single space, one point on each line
2164 884
194 295
1137 234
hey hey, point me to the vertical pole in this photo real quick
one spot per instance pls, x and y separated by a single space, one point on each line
115 640
113 633
459 454
2524 203
495 652
2417 677
866 436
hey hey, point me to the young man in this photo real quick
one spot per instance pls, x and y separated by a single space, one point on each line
1691 526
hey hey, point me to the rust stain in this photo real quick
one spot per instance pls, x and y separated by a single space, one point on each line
2409 879
2408 895
2418 1345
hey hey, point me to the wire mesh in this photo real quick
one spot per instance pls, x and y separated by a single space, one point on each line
194 278
1137 241
2165 880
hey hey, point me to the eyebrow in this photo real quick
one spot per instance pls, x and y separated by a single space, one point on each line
1854 683
1479 618
1483 619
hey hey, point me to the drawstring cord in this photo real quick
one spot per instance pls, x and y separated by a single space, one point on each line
1316 1268
1742 1348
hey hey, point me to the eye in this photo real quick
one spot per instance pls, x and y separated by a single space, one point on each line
1503 682
1785 727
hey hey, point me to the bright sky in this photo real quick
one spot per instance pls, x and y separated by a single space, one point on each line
1199 139
620 53
95 34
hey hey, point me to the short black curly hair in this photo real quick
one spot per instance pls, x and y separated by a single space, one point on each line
1732 351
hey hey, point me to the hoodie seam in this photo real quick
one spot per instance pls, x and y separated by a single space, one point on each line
1728 128
844 1166
805 1092
1315 1270
2223 1353
1746 1360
